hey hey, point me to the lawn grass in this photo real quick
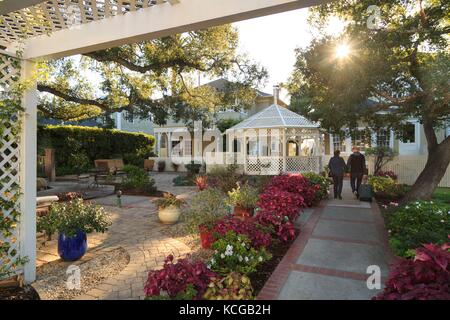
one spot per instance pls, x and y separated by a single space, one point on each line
441 194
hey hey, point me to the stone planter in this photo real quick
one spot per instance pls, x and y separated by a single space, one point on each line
169 215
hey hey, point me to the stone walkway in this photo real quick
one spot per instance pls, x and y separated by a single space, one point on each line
329 259
136 229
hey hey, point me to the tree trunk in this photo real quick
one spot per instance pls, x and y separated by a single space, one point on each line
437 164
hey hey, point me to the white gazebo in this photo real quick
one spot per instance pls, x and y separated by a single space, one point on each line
277 140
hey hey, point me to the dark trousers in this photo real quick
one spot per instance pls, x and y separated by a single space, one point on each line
337 185
355 180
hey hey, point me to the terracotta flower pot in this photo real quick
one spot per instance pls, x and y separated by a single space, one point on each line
243 213
206 237
169 215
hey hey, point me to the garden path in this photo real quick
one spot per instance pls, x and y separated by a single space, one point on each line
329 260
135 228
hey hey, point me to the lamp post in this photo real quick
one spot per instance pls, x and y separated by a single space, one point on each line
119 198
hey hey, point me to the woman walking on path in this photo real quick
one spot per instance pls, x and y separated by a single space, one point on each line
337 169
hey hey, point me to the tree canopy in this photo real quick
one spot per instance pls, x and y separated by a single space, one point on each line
397 67
154 79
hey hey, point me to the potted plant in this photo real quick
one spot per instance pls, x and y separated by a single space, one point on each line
206 208
161 166
169 208
244 199
175 166
73 221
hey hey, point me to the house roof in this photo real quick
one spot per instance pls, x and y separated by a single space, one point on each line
220 85
275 116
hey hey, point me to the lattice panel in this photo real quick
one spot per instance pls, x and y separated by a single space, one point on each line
302 164
56 15
264 165
9 158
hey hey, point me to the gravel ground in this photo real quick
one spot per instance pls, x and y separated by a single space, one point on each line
51 282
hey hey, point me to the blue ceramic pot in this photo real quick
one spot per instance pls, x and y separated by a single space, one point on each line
73 248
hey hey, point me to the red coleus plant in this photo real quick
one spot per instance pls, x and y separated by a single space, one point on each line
283 228
297 184
174 278
281 202
427 277
251 228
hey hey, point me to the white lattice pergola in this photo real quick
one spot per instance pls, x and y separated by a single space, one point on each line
56 28
277 140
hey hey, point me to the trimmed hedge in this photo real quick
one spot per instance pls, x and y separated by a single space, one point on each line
77 147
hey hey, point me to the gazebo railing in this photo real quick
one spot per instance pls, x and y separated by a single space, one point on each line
303 164
273 165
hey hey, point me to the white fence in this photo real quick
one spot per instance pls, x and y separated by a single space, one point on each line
408 169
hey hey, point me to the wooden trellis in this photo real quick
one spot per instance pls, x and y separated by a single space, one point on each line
9 166
56 15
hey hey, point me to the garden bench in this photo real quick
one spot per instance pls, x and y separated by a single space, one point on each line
43 204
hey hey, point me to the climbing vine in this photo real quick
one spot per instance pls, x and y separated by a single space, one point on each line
11 90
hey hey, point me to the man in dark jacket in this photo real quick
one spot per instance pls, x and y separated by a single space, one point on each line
357 165
337 170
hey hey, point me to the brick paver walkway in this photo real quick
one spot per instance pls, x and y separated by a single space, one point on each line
136 228
328 261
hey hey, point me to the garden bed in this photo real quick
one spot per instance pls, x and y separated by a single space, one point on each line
260 277
19 293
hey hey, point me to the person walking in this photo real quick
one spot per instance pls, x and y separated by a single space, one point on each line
337 169
357 165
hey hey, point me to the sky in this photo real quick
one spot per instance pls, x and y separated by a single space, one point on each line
271 41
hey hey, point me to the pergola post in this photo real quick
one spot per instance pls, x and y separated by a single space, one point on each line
27 170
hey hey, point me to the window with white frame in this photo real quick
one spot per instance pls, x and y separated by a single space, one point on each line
409 133
383 138
360 140
339 143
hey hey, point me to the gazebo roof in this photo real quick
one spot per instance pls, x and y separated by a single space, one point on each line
275 116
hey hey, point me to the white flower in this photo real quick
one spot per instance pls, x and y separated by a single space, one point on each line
208 266
213 261
246 259
442 221
260 259
243 244
222 256
240 258
229 247
407 207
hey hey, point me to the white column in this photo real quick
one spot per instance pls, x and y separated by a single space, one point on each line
27 174
158 144
284 151
244 147
169 145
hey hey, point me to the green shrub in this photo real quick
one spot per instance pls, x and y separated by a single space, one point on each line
77 147
73 216
418 223
193 168
137 179
206 208
323 183
183 181
386 188
244 196
233 253
224 178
